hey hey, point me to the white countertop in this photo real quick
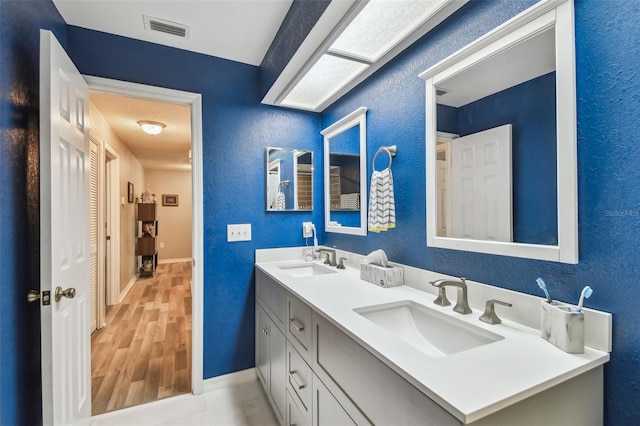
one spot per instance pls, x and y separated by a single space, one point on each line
470 384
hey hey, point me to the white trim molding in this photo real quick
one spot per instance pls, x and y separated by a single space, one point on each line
164 261
237 378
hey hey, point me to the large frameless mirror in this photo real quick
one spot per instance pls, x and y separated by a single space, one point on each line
345 183
501 141
289 177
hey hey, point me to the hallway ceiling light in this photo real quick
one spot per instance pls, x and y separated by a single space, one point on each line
152 127
372 34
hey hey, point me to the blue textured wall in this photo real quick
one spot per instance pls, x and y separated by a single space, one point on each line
608 83
236 131
20 21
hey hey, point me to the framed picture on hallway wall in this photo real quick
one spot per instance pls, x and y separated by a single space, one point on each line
130 192
170 200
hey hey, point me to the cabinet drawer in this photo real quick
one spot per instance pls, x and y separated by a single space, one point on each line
299 331
272 297
299 377
328 411
379 392
295 414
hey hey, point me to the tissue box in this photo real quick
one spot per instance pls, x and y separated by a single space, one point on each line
562 325
391 276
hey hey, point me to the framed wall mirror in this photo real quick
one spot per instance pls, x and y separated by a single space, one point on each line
345 174
501 140
289 179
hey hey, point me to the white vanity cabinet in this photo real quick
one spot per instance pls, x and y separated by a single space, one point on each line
316 373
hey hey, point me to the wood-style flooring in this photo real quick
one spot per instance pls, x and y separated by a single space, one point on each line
144 352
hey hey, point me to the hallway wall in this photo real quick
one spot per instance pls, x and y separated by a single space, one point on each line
130 171
174 223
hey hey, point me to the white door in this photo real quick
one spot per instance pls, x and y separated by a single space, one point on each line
481 185
64 236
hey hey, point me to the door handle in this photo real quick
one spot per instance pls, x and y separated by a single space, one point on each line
34 296
69 293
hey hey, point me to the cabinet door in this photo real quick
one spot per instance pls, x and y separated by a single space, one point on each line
278 385
326 409
262 347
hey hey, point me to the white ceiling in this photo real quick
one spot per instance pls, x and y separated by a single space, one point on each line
525 61
239 30
167 151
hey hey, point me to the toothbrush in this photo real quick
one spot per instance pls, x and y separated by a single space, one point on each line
586 293
543 286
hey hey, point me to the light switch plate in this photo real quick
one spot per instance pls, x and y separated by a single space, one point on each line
239 232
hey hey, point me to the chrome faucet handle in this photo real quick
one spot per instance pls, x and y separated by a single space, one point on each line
327 260
442 300
462 302
341 263
489 316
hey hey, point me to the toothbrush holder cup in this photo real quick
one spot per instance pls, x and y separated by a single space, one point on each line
562 325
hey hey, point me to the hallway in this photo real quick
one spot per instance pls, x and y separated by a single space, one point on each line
144 352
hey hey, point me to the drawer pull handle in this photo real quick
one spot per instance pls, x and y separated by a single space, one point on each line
295 383
296 324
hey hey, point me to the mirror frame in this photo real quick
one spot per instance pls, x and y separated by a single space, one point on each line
357 117
540 17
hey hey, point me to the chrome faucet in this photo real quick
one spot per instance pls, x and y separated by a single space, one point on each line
330 251
462 302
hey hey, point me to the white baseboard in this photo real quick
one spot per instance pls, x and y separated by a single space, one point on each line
127 288
185 259
230 379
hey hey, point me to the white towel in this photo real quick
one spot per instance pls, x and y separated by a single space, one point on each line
280 201
382 206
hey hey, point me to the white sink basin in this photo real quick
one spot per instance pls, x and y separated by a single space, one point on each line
306 269
433 333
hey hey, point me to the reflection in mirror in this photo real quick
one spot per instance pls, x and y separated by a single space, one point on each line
345 174
501 119
289 179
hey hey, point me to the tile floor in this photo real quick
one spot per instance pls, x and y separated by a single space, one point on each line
243 404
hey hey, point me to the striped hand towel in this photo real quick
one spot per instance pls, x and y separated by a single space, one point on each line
382 207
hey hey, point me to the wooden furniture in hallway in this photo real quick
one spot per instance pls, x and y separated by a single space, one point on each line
144 352
146 239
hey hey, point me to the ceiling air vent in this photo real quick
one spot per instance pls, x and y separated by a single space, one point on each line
167 27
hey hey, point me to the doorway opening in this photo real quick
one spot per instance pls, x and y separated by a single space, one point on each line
149 345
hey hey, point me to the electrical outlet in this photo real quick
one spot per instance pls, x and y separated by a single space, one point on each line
239 232
162 245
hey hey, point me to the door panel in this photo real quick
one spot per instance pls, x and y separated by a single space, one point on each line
64 236
481 190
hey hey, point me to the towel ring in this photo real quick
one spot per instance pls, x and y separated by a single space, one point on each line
391 152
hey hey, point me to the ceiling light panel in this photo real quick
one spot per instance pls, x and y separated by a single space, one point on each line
324 79
381 25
